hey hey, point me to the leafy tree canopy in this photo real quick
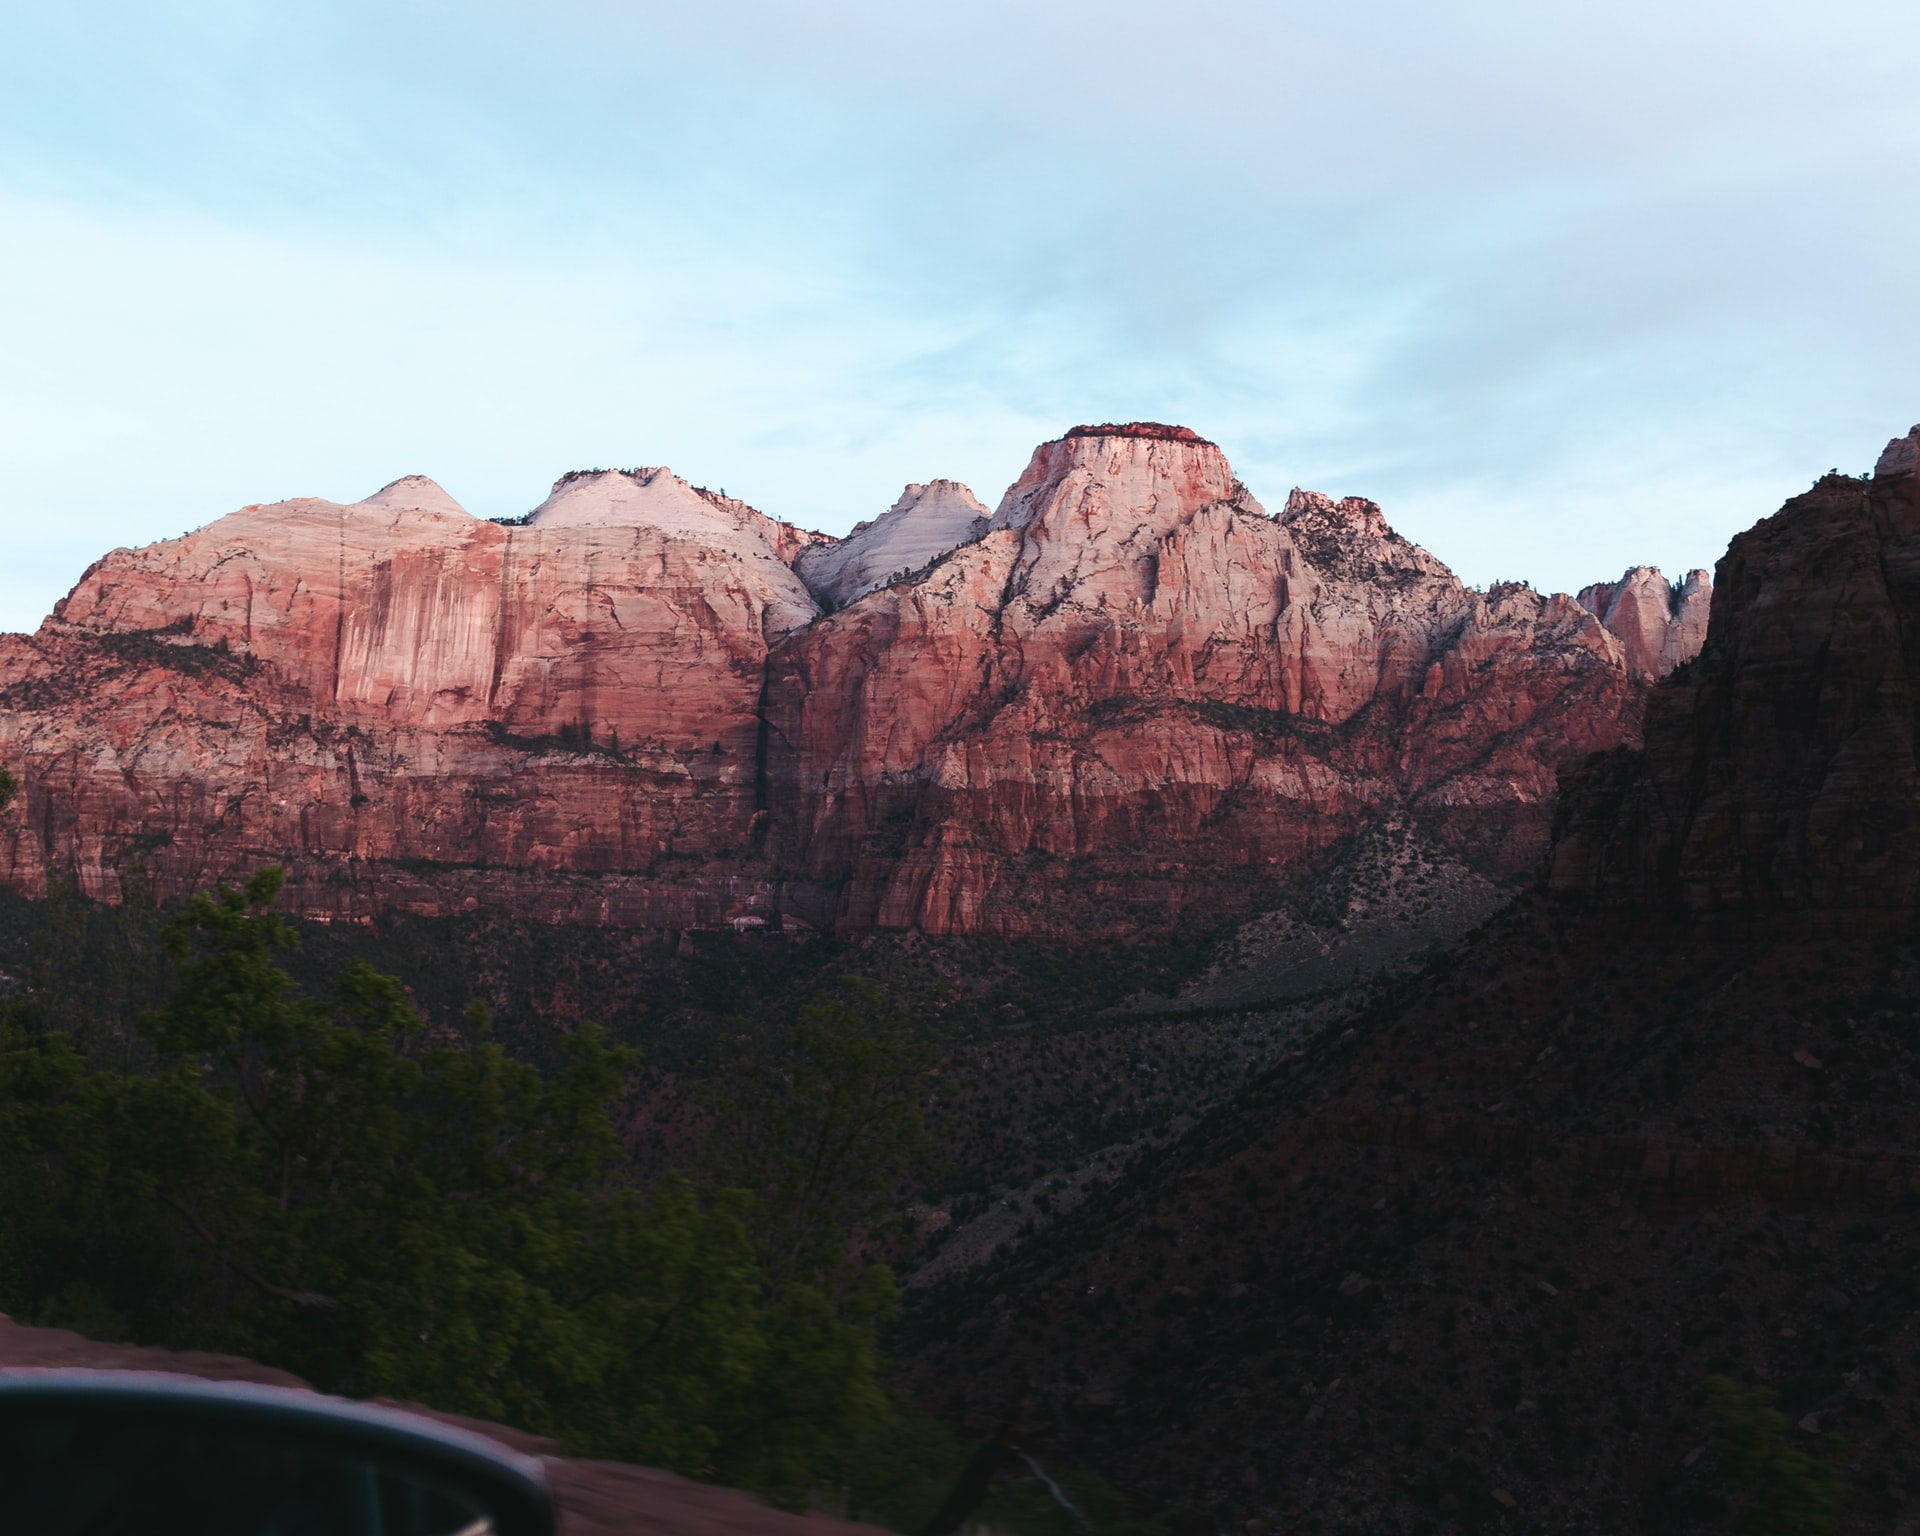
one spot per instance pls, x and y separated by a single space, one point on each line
322 1183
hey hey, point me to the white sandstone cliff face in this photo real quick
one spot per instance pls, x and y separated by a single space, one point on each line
1660 626
659 499
417 492
927 522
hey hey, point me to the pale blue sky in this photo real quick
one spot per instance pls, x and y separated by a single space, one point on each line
1563 287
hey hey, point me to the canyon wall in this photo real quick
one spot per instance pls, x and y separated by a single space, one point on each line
1128 690
408 706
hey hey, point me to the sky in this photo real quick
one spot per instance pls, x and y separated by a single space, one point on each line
1565 288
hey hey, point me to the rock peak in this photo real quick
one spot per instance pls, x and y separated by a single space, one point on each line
1352 536
1355 510
925 523
653 496
916 491
1107 479
416 492
642 475
1154 429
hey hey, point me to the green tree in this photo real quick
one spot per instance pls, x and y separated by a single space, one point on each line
312 1181
822 1122
1776 1486
9 788
817 1125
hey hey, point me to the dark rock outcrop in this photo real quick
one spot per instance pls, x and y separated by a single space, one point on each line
1779 782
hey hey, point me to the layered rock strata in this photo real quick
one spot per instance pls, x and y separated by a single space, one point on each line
1130 690
1779 783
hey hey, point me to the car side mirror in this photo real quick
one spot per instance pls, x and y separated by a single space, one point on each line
124 1453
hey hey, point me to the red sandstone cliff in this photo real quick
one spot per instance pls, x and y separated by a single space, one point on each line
1138 680
1135 684
409 706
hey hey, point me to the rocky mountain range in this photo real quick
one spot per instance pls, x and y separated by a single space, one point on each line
1127 690
1496 1241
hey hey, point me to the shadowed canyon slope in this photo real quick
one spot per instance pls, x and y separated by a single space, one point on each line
1483 1252
1129 689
